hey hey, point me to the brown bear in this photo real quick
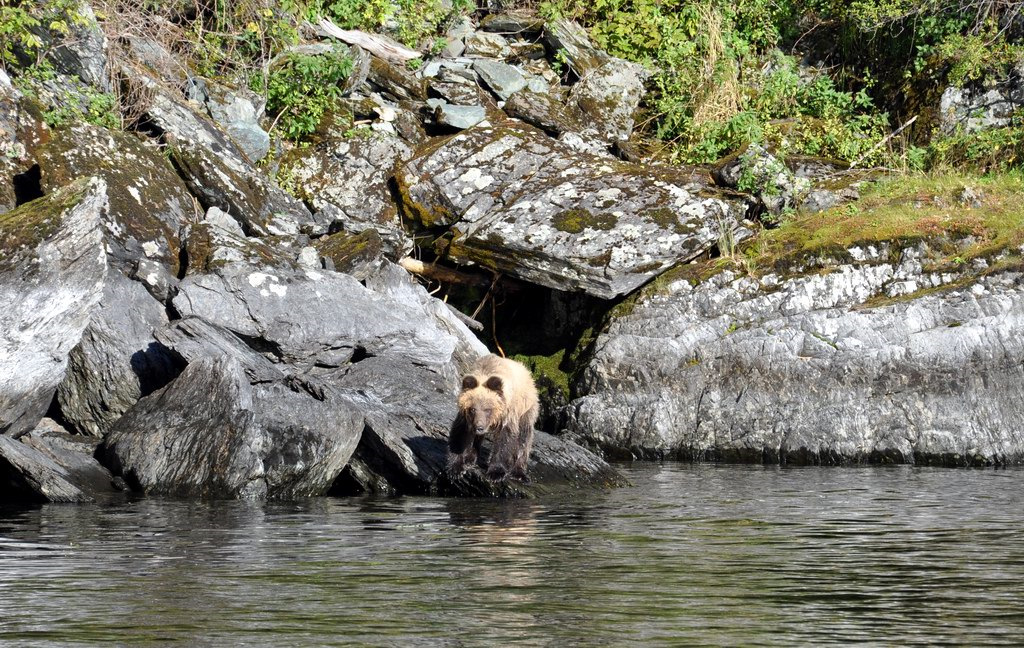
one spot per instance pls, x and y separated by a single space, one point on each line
498 400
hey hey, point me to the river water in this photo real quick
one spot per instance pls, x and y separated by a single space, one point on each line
690 555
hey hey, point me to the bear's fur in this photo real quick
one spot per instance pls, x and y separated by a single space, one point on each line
498 400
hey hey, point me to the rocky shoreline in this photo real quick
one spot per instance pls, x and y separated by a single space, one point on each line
179 324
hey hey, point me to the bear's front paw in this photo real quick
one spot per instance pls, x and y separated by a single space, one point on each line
497 474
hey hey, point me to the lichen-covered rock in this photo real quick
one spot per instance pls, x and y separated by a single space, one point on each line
118 360
354 254
570 40
82 51
211 433
149 204
866 362
523 204
237 188
52 273
608 97
22 131
395 81
346 181
974 108
543 110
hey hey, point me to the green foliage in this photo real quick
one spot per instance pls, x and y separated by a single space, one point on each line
22 22
996 149
68 101
414 21
301 89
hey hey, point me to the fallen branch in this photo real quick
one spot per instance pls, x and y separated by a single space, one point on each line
441 273
378 45
884 140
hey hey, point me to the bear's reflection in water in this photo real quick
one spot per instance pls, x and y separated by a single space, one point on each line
499 537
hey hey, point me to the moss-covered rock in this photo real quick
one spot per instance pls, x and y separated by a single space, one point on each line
149 204
523 204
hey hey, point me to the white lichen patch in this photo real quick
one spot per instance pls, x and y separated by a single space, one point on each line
135 194
150 248
256 279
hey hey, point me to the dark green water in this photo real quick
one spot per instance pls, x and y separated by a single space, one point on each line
720 555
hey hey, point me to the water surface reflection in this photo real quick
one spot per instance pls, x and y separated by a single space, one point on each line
712 555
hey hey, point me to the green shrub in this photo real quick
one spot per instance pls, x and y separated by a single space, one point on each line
301 88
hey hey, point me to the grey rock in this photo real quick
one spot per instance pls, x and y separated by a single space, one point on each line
771 181
346 181
544 111
487 45
221 219
571 41
239 114
461 117
82 52
974 108
148 202
396 81
528 206
117 360
805 369
239 189
52 275
516 23
211 433
501 78
608 98
48 465
310 318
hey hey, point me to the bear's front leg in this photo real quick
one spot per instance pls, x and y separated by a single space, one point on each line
463 446
503 454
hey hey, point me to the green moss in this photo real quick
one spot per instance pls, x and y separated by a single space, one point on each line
902 211
575 221
664 218
348 250
548 372
24 228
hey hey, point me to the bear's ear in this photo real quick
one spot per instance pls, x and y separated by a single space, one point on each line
469 382
494 384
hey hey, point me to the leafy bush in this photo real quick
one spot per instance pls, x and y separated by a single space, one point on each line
22 21
302 88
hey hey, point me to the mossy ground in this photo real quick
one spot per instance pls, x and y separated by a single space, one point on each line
905 209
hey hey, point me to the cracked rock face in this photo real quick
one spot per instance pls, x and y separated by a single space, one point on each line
52 275
521 203
806 369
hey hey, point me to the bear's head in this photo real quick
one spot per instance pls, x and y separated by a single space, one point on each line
482 402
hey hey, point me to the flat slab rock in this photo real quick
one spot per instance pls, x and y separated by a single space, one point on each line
524 204
52 274
807 370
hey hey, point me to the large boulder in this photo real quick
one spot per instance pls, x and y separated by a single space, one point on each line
52 274
117 361
877 359
211 433
346 181
976 107
149 204
523 204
